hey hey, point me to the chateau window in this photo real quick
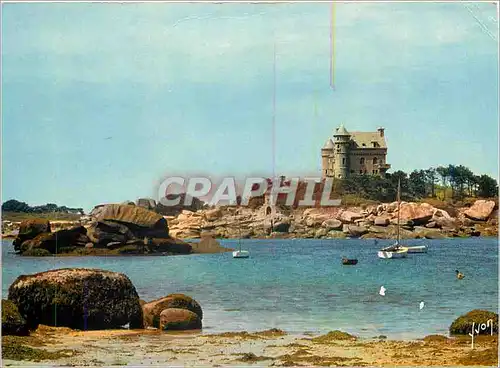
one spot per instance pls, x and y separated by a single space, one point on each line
375 160
362 160
375 144
343 161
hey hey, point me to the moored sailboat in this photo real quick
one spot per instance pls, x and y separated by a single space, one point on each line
396 250
240 253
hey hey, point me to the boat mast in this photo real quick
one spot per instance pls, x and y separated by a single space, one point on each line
399 206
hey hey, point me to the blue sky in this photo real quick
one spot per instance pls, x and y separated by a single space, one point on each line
101 101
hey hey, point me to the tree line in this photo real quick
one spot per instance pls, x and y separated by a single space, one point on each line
450 182
443 182
13 205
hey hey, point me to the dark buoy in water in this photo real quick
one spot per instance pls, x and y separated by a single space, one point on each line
346 261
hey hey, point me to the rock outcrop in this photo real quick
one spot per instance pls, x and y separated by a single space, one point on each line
77 298
12 321
208 244
418 220
29 229
140 221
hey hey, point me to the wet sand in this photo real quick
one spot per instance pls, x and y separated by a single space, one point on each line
265 348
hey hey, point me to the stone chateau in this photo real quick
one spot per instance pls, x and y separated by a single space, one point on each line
354 153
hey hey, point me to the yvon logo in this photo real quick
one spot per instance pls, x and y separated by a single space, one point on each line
481 327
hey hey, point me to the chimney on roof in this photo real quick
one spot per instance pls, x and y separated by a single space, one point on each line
380 130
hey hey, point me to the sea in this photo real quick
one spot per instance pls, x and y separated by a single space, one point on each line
301 286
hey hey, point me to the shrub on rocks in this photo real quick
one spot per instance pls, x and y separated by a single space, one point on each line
463 324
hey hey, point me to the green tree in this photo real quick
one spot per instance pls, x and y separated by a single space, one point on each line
418 183
444 173
487 186
432 180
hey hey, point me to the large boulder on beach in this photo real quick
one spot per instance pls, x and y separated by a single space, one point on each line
332 224
179 319
381 221
57 242
354 231
152 310
212 215
348 217
417 213
29 229
481 318
77 298
480 210
12 321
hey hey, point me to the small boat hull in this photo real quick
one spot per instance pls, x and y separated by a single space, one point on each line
418 249
241 254
386 254
347 262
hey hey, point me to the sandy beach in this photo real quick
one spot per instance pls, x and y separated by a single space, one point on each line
66 347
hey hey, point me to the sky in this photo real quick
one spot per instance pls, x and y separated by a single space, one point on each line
102 101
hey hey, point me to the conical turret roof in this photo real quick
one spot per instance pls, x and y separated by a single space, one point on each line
328 144
341 130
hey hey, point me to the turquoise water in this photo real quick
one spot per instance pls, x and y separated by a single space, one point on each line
300 285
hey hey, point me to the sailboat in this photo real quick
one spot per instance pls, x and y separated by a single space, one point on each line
240 253
396 250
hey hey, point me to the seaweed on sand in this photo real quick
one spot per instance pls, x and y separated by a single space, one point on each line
333 336
12 349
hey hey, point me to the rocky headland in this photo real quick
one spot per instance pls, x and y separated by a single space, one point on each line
135 229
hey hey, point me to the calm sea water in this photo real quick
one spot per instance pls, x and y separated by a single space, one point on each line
300 285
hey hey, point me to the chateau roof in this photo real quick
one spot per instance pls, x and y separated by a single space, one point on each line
341 130
328 144
367 138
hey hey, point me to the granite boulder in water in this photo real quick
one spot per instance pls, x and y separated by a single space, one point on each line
179 319
140 221
29 229
58 241
77 298
152 310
